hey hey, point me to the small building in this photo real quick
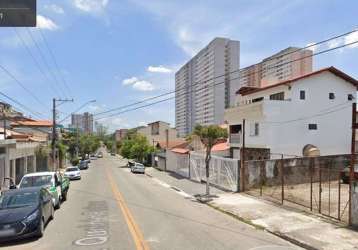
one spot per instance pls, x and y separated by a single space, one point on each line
36 128
159 132
120 134
313 109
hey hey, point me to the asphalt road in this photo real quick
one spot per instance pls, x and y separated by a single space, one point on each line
111 208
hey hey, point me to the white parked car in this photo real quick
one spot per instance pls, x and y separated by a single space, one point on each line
137 168
73 173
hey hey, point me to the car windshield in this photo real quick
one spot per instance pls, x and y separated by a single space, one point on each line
71 169
15 200
139 165
36 181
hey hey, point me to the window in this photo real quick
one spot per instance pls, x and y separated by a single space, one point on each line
350 97
257 99
331 96
278 96
302 95
254 129
312 126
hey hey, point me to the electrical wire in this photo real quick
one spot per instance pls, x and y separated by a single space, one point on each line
46 62
55 62
237 70
190 91
37 64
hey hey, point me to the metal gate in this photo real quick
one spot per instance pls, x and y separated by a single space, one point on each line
223 172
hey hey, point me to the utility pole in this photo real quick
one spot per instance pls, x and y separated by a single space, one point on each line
242 158
4 120
54 133
353 158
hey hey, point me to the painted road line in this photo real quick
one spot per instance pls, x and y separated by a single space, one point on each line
132 226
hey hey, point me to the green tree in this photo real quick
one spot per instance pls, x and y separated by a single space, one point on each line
209 136
136 147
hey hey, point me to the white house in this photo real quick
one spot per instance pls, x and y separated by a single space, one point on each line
313 109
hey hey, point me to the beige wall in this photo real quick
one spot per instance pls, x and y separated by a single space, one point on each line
161 136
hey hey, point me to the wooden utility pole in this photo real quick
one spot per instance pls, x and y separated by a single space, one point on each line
353 156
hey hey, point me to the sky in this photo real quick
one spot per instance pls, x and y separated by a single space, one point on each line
121 51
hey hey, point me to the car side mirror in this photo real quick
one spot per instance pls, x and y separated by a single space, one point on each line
12 186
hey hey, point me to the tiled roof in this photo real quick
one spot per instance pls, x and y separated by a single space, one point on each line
173 144
180 150
36 123
220 147
249 90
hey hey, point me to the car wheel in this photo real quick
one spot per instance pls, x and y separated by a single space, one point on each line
41 228
52 216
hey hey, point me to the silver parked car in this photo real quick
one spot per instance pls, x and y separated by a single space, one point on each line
138 168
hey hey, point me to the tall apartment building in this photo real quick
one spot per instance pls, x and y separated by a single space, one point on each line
205 85
83 122
284 65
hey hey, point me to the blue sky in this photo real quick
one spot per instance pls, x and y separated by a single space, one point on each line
119 52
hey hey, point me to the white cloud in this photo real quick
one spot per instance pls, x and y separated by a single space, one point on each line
194 26
91 6
353 37
158 69
46 23
143 86
312 47
137 84
97 107
334 43
129 81
142 123
55 8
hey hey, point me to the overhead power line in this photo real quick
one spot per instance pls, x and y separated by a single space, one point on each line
237 70
35 113
55 62
190 91
22 85
46 62
37 64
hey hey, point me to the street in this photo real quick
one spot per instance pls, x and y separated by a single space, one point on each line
111 208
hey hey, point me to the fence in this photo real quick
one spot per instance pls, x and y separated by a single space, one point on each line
223 172
315 183
177 163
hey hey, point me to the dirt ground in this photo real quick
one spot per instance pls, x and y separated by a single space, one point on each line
299 196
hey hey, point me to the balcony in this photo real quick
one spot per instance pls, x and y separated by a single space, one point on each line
253 110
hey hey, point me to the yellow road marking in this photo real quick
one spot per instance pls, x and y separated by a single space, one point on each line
137 235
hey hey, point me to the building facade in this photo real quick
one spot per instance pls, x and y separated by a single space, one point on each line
289 63
160 133
206 85
120 134
82 122
311 110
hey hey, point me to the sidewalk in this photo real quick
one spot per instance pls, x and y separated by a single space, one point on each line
309 231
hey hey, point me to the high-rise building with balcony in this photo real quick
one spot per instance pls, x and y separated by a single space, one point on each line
206 85
82 122
289 63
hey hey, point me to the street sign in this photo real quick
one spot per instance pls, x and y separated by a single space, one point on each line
17 13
